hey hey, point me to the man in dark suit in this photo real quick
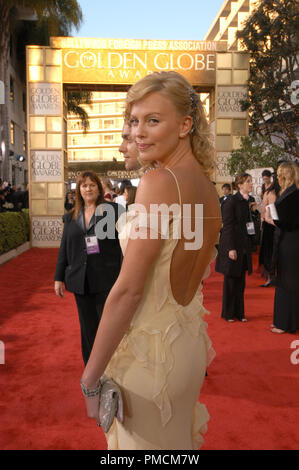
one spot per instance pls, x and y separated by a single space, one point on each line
226 189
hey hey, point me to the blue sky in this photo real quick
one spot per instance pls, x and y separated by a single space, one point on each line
152 19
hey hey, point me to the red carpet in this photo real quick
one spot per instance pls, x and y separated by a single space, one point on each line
251 391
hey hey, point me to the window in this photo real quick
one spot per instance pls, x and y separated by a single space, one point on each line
11 89
24 102
108 123
108 139
108 108
74 125
119 107
12 132
24 141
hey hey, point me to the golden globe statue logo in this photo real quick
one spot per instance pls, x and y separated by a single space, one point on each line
87 59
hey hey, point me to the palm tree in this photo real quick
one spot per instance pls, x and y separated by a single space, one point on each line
74 99
60 15
51 18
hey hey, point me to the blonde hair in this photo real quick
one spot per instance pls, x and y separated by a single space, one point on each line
288 174
175 87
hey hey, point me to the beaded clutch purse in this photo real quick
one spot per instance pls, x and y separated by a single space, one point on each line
111 403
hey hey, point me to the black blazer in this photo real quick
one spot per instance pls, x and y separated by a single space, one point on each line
233 236
287 206
286 240
223 199
96 272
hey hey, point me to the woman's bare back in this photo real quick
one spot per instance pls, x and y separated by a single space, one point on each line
188 265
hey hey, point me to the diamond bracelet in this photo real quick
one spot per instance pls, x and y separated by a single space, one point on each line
92 392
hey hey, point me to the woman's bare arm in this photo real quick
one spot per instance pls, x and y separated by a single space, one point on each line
126 293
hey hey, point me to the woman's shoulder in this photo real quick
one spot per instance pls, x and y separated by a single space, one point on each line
233 198
238 200
271 197
155 186
155 176
291 194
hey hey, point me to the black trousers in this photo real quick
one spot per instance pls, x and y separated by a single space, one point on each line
90 308
286 310
233 295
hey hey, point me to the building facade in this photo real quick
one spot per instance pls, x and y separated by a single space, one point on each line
230 19
13 102
100 142
14 154
102 139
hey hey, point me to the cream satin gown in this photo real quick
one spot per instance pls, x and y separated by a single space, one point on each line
160 364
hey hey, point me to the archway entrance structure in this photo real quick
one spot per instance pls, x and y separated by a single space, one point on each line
99 64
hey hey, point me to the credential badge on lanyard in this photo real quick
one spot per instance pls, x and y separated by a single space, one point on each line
92 245
250 225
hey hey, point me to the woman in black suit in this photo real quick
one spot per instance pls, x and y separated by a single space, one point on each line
87 265
235 247
286 250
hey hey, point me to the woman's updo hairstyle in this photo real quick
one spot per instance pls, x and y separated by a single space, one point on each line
176 88
288 174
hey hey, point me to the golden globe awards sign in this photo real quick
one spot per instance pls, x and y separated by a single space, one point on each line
125 61
47 230
45 99
228 101
222 172
128 67
46 165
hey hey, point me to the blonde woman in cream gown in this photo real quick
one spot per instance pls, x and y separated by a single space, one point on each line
152 337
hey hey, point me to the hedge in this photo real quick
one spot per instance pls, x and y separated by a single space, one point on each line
14 229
